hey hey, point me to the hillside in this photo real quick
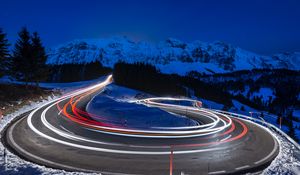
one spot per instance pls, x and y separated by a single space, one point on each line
266 92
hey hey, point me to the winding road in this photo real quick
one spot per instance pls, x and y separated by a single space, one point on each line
61 134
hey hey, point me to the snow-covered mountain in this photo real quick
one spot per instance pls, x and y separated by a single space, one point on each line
170 56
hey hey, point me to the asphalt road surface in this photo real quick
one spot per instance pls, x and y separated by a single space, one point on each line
61 134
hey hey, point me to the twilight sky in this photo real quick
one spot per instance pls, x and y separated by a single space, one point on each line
262 26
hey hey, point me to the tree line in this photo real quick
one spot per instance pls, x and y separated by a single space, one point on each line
77 72
145 77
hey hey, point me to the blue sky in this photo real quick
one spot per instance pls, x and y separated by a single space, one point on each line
262 26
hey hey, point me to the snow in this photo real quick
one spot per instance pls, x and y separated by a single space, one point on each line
245 60
181 68
117 109
120 93
237 92
237 108
296 113
265 93
287 161
59 86
169 55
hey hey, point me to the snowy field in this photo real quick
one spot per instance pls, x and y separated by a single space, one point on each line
133 115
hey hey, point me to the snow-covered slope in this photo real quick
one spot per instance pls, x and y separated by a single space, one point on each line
171 56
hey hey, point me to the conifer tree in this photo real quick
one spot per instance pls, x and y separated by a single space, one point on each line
22 57
4 53
39 58
29 58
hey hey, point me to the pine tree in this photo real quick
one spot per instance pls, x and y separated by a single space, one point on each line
29 58
40 70
22 57
4 53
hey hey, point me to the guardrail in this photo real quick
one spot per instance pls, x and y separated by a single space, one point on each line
263 122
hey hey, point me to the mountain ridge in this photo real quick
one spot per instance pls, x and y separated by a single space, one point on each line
170 56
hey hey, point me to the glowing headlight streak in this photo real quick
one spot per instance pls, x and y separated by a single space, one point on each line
102 127
217 119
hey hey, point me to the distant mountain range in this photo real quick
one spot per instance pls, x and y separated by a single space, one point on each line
170 56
